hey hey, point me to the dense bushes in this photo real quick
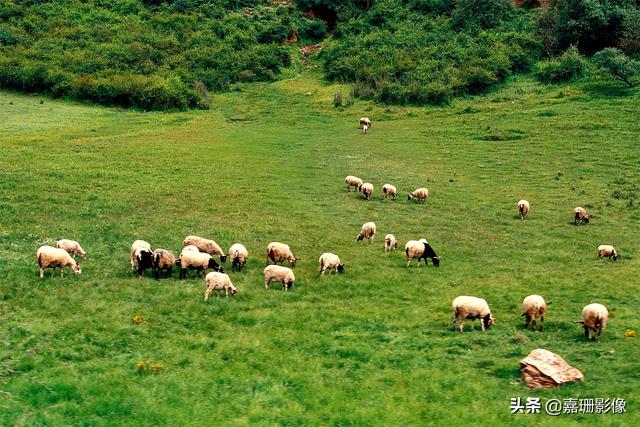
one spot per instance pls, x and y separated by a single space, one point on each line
147 54
617 65
421 59
568 66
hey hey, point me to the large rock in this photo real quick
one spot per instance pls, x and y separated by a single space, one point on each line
541 368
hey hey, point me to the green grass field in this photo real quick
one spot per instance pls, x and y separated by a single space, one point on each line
373 346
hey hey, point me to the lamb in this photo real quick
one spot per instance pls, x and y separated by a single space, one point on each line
368 232
523 209
50 257
329 261
353 181
72 247
191 260
367 190
239 255
607 251
216 281
141 257
205 245
594 320
364 121
163 260
420 249
466 307
279 252
580 215
389 190
279 273
533 307
390 242
419 194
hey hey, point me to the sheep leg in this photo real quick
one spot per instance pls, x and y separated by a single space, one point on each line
61 271
267 282
527 321
53 272
207 293
533 324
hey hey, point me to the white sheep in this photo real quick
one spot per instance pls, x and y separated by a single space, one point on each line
353 181
205 245
50 257
367 190
523 209
141 257
163 260
415 249
199 261
390 242
594 320
607 251
72 247
466 307
278 273
389 190
329 261
420 194
239 255
364 121
279 252
367 232
365 129
533 307
580 215
216 281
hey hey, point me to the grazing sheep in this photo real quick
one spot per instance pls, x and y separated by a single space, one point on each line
279 252
329 261
239 255
216 281
419 194
523 209
364 121
279 273
533 307
389 190
141 257
199 261
416 249
580 215
466 307
365 129
72 247
594 320
607 251
390 242
368 232
367 190
50 257
205 245
353 181
163 260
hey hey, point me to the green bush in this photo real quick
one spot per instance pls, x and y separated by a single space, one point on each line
617 65
568 66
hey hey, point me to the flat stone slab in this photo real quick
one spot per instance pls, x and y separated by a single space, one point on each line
542 368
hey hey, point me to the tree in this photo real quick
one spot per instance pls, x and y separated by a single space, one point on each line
618 65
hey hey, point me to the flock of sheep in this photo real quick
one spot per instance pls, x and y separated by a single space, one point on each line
197 254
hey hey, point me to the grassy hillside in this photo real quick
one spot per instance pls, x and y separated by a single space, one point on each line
373 346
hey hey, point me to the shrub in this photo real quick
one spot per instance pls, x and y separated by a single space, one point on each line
476 15
568 66
619 66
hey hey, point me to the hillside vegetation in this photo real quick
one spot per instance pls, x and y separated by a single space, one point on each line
162 55
373 346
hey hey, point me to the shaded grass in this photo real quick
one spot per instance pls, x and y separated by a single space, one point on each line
372 346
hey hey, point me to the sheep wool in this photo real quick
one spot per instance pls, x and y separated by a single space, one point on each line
217 281
278 273
50 257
